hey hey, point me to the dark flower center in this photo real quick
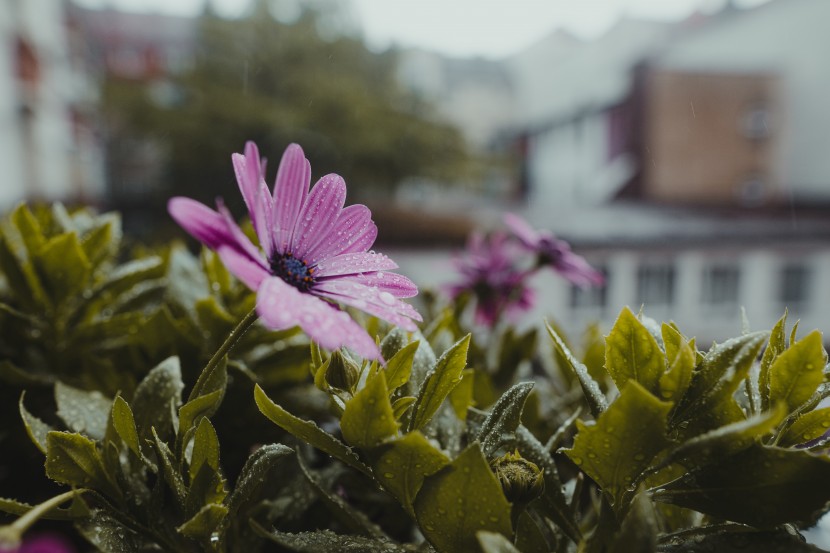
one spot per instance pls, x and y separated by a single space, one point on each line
295 272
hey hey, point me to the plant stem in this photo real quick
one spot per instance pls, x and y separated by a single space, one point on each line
13 533
223 350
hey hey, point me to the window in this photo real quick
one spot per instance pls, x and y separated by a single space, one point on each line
591 298
720 285
655 284
795 281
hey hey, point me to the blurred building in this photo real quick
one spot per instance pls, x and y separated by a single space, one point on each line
50 149
684 159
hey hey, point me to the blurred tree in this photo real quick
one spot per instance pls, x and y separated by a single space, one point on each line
256 78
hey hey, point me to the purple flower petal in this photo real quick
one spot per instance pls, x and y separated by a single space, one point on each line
353 232
282 306
319 214
248 169
374 301
522 230
201 222
397 285
240 238
290 192
249 271
354 263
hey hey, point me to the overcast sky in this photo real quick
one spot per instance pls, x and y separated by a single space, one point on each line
490 28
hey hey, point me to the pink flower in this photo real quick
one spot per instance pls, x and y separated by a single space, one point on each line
491 275
44 543
554 253
313 252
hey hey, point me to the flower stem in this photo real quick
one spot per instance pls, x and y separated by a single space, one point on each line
12 534
223 350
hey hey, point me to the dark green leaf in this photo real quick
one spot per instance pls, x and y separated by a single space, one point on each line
63 267
460 500
402 405
204 523
401 466
307 431
157 398
499 428
35 428
258 469
761 486
74 460
797 372
192 412
18 508
638 532
593 394
207 487
83 411
623 442
461 397
439 383
741 540
681 362
108 535
171 475
326 541
632 353
368 418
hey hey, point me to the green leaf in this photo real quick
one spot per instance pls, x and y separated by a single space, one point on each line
623 442
326 541
207 487
124 424
192 412
797 372
593 394
740 540
83 411
681 362
35 428
809 426
109 535
368 418
462 396
205 448
402 405
157 398
18 508
709 402
514 350
21 237
493 542
166 460
632 353
102 241
74 460
761 486
499 428
352 519
401 466
399 367
723 441
638 531
204 523
63 267
307 431
257 472
439 383
461 500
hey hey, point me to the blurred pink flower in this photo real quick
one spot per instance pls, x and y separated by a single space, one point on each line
44 543
313 252
553 252
492 277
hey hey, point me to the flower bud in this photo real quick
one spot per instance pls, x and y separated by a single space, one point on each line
521 480
342 372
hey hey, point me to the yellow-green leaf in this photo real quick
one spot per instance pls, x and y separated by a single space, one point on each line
797 372
368 418
807 427
399 367
632 353
439 383
623 442
307 431
124 424
461 500
402 465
